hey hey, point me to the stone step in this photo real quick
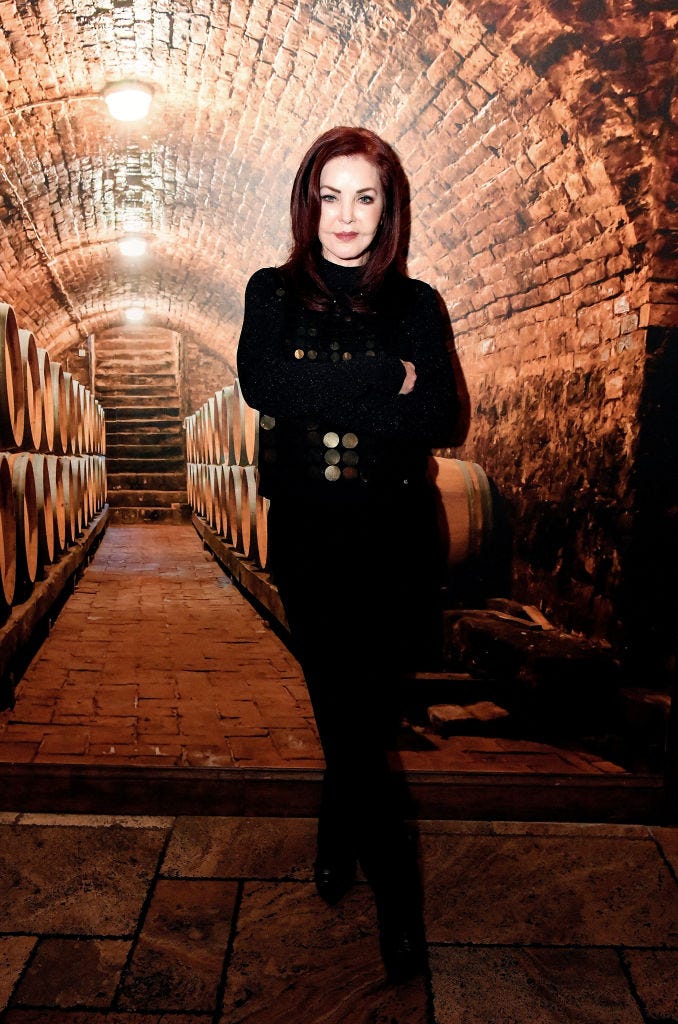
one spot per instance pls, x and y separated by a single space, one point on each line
125 345
146 481
150 411
146 434
126 515
145 465
160 449
145 424
145 499
132 389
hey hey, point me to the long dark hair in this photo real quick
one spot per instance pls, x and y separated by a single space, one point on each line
389 248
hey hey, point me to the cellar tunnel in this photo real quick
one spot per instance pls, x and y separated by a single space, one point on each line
539 140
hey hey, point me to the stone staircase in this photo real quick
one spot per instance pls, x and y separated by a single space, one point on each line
137 383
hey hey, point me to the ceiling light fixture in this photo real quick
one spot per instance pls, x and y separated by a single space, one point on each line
134 314
132 245
128 101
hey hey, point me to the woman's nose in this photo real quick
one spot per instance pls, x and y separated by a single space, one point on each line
346 213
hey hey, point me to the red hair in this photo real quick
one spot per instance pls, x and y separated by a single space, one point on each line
389 249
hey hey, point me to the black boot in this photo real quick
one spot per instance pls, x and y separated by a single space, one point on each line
401 938
333 874
394 878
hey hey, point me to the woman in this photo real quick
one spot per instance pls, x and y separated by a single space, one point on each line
346 359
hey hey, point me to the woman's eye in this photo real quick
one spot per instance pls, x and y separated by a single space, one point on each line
328 196
366 200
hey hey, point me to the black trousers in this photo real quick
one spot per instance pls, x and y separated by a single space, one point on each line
360 586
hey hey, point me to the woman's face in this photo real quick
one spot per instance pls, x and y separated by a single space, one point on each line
351 203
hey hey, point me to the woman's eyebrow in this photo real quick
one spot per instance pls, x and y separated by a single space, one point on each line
359 191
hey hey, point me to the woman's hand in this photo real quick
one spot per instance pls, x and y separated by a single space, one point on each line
410 378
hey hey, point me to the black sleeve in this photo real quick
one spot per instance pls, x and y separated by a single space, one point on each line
430 412
279 386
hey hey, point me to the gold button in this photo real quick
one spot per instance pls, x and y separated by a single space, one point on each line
346 355
312 353
332 456
280 291
349 441
298 353
267 422
332 473
349 473
331 439
351 458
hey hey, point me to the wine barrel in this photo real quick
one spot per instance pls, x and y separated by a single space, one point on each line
60 407
55 468
7 538
47 434
225 415
45 505
262 531
464 502
73 417
11 381
73 515
245 430
248 513
82 467
26 517
189 435
233 505
33 400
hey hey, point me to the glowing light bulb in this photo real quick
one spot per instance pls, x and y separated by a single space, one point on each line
128 101
134 314
132 245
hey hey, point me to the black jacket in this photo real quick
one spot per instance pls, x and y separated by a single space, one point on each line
326 385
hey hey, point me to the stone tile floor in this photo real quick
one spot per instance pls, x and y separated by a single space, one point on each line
148 920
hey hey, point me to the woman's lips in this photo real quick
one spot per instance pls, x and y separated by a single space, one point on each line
346 236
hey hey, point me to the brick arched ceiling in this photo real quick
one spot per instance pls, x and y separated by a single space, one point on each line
519 124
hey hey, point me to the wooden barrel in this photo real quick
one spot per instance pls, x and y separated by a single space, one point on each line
60 407
464 507
262 531
225 424
47 548
208 492
32 389
73 515
99 477
8 538
82 467
245 429
47 433
248 513
26 517
189 438
86 410
100 428
56 483
73 416
11 381
223 473
214 450
233 507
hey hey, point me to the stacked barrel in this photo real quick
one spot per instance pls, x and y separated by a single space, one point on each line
52 460
222 447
